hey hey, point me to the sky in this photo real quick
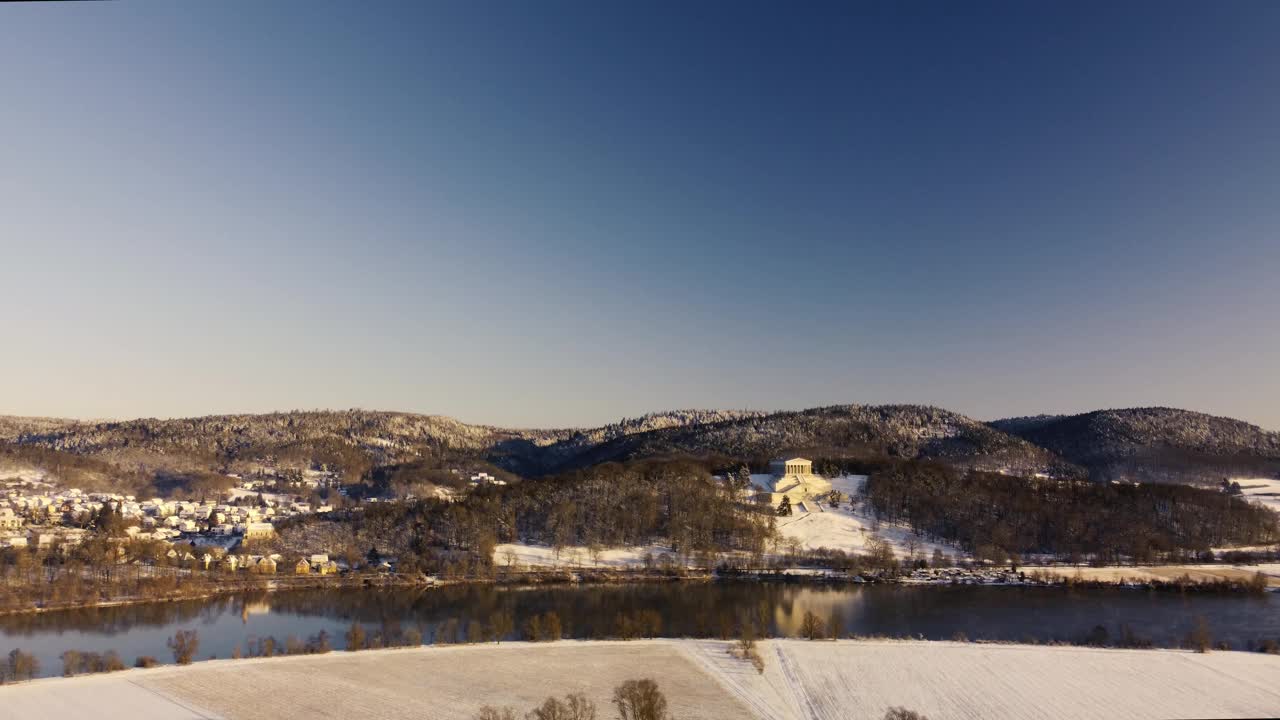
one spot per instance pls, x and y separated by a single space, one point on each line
562 214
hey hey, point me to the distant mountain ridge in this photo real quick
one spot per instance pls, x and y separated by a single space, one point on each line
1150 444
1153 444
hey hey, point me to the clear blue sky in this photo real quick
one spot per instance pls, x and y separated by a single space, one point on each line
543 213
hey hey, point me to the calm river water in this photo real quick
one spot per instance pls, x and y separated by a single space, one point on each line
686 609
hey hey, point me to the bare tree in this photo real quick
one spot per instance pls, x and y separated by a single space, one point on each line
355 637
575 706
70 662
22 665
184 644
1200 639
500 625
640 700
812 626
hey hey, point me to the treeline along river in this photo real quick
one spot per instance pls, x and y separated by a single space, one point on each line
681 609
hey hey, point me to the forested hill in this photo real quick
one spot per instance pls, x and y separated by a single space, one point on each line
359 440
1154 444
843 431
1143 444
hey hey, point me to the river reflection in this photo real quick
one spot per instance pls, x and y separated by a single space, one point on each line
686 609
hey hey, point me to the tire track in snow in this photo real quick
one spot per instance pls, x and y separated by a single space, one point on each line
715 665
801 698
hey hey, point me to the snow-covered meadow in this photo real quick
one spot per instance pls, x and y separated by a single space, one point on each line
1263 491
850 527
802 680
527 555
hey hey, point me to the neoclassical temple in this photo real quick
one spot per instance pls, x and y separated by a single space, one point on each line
794 478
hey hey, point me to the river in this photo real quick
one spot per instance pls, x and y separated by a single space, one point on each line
686 609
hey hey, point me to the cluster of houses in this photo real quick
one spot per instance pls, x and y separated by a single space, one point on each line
216 559
36 514
483 478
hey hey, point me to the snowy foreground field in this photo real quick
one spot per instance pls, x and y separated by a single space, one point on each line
802 681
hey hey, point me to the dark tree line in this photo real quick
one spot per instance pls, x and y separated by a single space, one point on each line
612 504
1064 517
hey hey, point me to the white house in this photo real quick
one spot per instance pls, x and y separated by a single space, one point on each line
259 531
9 520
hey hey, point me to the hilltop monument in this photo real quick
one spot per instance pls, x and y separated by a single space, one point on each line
794 479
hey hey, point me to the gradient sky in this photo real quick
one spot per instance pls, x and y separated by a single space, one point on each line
544 213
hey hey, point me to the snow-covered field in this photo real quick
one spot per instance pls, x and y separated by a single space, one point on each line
238 493
526 556
1264 491
1165 573
850 679
802 680
851 530
22 474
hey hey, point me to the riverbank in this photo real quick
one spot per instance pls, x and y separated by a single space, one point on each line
284 583
1202 577
802 680
1141 574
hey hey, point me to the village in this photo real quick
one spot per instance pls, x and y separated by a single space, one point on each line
36 514
206 533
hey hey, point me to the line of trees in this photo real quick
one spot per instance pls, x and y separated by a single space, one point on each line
633 700
18 665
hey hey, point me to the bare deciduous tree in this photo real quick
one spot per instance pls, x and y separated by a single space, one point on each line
640 700
184 644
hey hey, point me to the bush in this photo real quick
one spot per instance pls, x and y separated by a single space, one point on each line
551 626
21 665
489 712
412 637
640 700
901 713
1200 639
539 628
145 661
835 626
1098 636
319 644
71 661
745 649
1258 584
575 706
500 625
184 644
111 661
1130 639
356 638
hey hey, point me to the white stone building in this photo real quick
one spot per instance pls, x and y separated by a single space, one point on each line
794 478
